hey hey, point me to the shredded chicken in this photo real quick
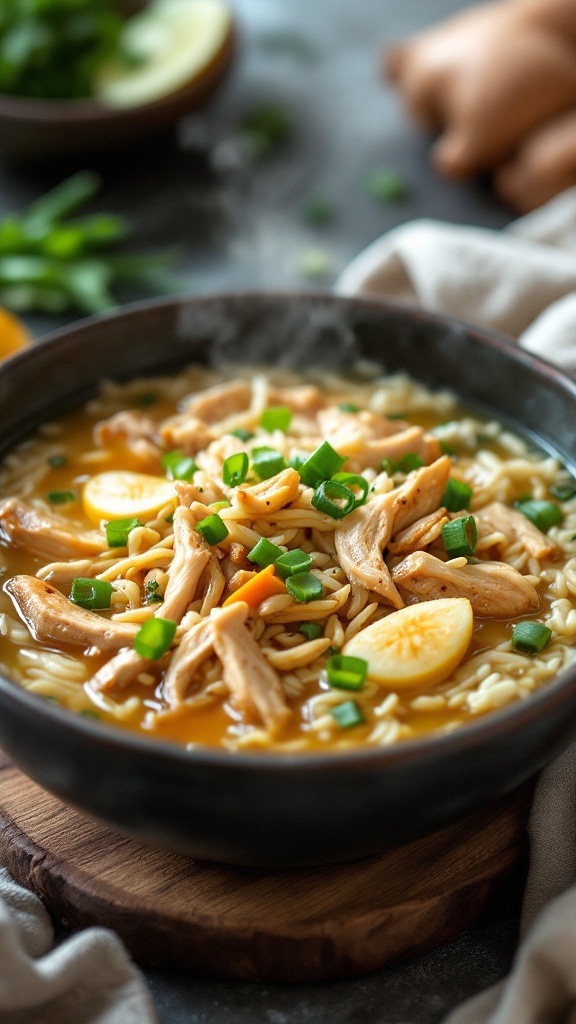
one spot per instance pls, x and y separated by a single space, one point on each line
366 438
362 536
45 534
255 685
186 434
269 495
191 556
52 618
303 399
420 534
128 426
223 400
196 645
499 518
213 581
120 671
494 589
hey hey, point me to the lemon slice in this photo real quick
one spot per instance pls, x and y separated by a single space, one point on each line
13 334
173 43
120 494
416 646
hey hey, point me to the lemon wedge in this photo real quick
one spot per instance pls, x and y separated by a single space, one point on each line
120 494
13 334
173 43
416 646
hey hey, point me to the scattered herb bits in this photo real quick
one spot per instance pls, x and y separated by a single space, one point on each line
311 630
118 531
304 587
334 499
291 562
267 462
460 536
178 466
409 462
457 495
61 497
564 492
544 514
386 186
276 417
213 529
530 637
345 672
154 638
92 594
265 553
235 469
347 714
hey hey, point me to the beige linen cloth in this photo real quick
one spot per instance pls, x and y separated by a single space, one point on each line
521 282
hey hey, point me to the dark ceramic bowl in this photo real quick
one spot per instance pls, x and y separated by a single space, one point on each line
285 809
31 128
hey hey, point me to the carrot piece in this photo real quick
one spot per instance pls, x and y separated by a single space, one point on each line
264 584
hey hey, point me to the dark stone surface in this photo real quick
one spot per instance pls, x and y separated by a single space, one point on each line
242 226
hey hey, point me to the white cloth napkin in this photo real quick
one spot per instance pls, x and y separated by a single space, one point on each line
87 980
520 282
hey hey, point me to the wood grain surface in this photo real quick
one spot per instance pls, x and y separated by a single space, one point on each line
253 924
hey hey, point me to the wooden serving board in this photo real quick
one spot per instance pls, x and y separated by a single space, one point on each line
252 924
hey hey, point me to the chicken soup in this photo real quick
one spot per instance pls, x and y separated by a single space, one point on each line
270 564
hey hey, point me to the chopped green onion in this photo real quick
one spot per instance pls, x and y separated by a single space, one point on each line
446 448
311 630
276 417
386 185
543 514
345 672
352 480
61 497
242 434
216 506
409 462
304 587
389 466
296 462
117 531
57 461
319 210
334 499
170 518
264 553
321 465
563 492
347 714
457 495
348 407
530 637
291 562
396 416
235 469
178 466
460 536
267 462
154 638
89 593
147 398
213 529
151 592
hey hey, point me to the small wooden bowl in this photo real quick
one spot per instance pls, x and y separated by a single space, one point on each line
32 128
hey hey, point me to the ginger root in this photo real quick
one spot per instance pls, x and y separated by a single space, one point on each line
497 83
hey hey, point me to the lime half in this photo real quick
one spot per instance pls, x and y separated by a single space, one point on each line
168 45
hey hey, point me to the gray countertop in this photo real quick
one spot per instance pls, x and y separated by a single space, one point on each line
243 225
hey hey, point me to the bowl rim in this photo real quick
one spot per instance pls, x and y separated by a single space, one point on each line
492 726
